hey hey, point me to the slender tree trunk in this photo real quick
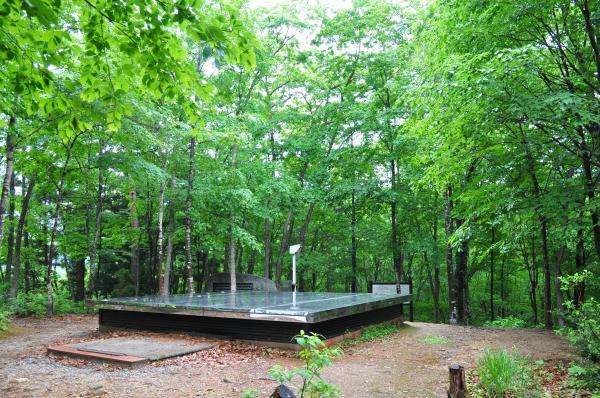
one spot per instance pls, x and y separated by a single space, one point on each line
205 272
232 270
22 220
397 255
503 295
354 243
579 288
460 282
285 242
558 299
151 261
267 239
492 274
159 239
188 217
10 149
11 229
27 262
448 229
54 230
79 294
304 229
537 191
435 292
97 228
135 244
252 262
170 231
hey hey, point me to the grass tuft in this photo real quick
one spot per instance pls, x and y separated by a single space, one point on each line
433 340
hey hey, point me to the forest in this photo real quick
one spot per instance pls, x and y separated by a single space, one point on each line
454 144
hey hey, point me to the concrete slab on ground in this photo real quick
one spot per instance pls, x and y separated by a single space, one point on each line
131 351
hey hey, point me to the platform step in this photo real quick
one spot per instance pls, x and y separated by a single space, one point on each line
121 360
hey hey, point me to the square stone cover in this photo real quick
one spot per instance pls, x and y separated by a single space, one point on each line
151 348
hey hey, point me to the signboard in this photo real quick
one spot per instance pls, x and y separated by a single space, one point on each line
390 288
384 288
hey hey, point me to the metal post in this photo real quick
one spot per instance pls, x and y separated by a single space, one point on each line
293 250
294 280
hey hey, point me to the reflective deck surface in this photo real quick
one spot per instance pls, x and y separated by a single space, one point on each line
310 307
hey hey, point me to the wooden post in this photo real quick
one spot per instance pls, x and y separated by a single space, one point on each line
458 387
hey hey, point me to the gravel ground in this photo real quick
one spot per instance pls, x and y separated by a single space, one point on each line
405 364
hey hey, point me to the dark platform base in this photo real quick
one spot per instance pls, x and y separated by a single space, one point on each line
244 329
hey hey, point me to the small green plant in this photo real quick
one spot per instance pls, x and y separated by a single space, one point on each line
506 323
433 340
250 393
4 322
502 373
315 355
373 332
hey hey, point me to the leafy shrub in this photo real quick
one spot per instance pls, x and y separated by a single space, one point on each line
583 332
34 303
4 322
502 373
315 355
506 323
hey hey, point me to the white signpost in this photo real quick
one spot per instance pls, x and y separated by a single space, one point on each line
293 250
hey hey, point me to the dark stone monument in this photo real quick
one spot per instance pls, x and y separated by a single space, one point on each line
245 282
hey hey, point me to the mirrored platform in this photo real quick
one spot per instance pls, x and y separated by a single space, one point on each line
275 306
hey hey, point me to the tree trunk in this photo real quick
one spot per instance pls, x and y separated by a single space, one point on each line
448 229
503 295
285 242
11 229
435 293
79 280
397 255
251 262
579 288
27 262
232 270
537 191
460 279
267 239
159 239
22 220
492 274
170 231
135 245
97 228
188 217
354 243
151 261
54 230
10 149
558 299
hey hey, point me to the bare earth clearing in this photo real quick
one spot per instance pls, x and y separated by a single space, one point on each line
405 364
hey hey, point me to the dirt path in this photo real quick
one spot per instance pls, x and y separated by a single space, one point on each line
405 364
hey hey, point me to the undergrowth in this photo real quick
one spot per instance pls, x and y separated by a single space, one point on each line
373 332
505 373
434 339
506 323
34 303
